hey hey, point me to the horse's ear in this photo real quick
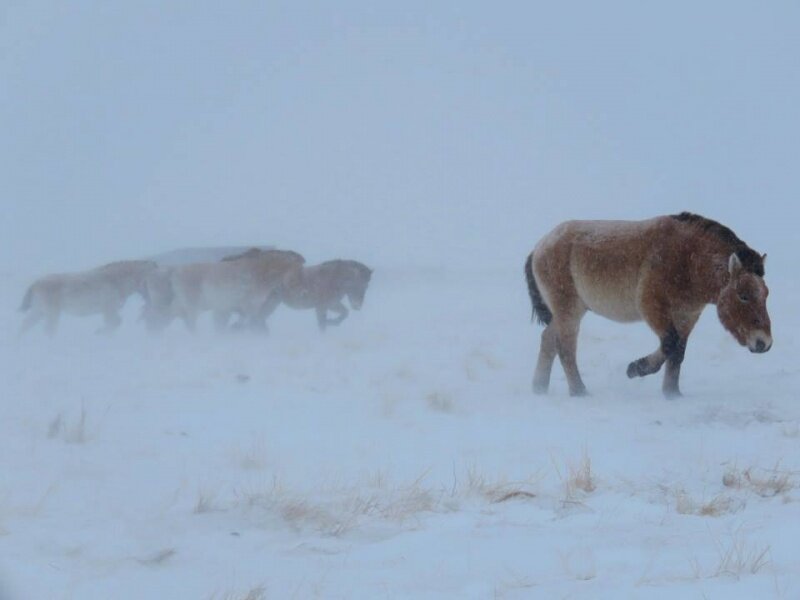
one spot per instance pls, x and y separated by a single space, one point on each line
764 257
734 265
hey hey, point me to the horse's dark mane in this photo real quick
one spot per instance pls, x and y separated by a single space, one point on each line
364 271
751 260
258 252
250 253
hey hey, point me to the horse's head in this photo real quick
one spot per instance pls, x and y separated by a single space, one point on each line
357 285
742 306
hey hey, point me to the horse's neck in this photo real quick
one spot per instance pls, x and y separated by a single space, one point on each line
710 272
298 281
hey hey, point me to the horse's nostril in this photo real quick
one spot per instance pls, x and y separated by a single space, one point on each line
760 346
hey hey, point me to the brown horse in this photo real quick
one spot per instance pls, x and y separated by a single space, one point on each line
239 284
322 287
103 290
663 271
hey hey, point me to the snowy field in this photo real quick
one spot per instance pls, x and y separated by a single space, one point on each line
401 455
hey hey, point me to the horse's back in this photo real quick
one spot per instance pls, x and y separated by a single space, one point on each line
597 265
77 293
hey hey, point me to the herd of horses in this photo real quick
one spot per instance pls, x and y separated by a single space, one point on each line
663 271
250 285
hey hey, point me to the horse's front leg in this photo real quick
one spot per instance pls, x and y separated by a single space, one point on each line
673 328
322 319
342 310
647 365
51 322
259 321
30 320
674 346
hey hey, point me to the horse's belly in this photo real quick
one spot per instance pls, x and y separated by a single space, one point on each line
232 295
88 300
617 305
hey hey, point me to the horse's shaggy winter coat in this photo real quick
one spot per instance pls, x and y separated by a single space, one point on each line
663 271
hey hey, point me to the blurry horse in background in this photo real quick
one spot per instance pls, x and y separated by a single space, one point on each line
240 284
663 271
322 287
103 290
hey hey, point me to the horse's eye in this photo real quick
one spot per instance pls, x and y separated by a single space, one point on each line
744 298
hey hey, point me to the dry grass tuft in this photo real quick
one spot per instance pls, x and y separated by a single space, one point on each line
56 426
736 557
741 557
253 457
257 593
496 491
71 433
514 495
206 502
347 507
76 434
158 558
717 506
766 483
441 402
580 477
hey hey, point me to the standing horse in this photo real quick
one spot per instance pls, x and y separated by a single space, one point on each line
322 287
663 271
103 290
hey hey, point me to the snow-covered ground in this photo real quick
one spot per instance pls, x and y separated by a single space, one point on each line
401 455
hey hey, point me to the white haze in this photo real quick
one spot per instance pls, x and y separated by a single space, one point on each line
449 134
401 454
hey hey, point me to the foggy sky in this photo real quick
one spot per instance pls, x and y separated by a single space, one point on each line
415 132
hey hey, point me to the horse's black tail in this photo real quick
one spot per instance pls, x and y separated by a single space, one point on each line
540 312
26 301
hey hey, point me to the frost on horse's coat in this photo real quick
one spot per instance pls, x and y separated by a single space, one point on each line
663 271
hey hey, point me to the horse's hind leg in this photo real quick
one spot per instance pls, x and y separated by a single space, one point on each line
547 355
567 345
221 318
189 317
111 321
265 311
31 319
51 322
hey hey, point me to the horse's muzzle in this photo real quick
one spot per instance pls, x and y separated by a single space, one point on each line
760 347
759 342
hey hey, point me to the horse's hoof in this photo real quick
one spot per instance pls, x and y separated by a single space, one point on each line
672 394
539 389
579 393
637 369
